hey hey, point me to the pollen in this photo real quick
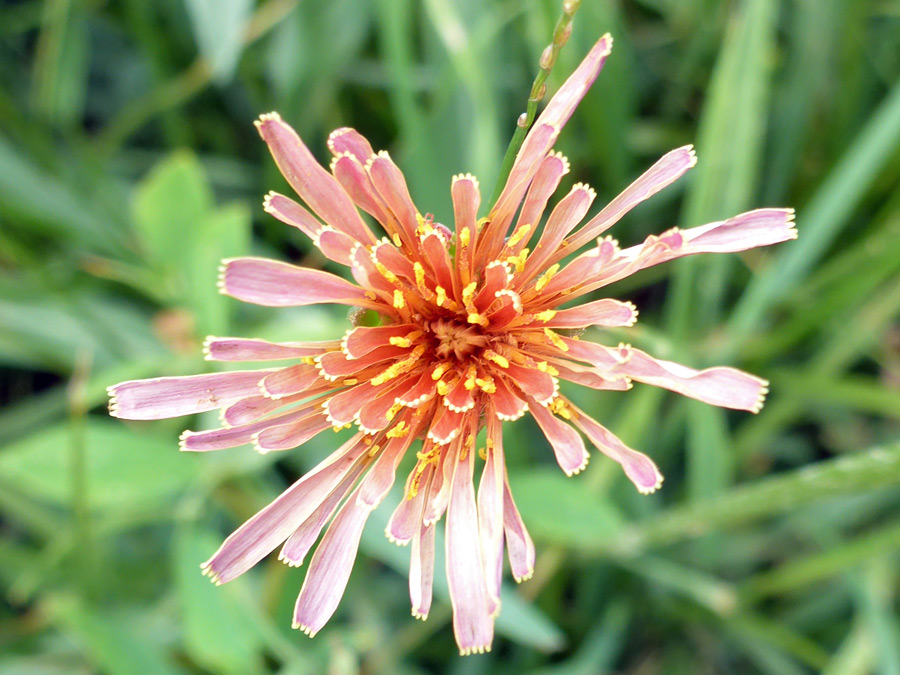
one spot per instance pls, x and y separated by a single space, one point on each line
441 296
545 316
546 277
420 275
399 301
518 260
439 371
399 430
398 242
400 341
521 232
469 293
477 318
556 340
465 237
501 361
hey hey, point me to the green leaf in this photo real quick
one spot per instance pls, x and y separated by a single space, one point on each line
128 468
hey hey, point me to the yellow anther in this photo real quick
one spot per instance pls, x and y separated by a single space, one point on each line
385 272
374 450
545 316
556 340
399 301
439 371
486 385
480 319
399 367
441 296
546 277
370 295
396 239
559 407
400 341
398 431
518 260
489 442
465 237
471 378
341 427
483 454
420 275
521 232
501 361
309 360
482 222
350 381
469 293
443 388
394 410
545 367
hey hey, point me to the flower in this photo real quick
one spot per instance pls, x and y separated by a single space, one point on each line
471 334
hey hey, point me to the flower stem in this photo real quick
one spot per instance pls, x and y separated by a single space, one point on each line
548 58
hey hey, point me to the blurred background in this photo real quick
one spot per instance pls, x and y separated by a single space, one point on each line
129 166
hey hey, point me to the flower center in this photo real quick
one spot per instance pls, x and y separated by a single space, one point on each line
456 339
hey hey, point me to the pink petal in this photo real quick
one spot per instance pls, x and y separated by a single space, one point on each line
566 442
519 545
406 520
606 312
472 606
721 386
466 200
666 171
533 382
336 365
439 490
240 349
350 140
293 435
496 278
420 392
291 213
165 397
550 172
349 172
391 187
362 340
277 284
459 399
232 437
381 476
445 425
762 227
421 571
336 245
301 541
256 538
290 381
253 407
639 468
375 415
490 510
315 185
344 407
508 406
330 567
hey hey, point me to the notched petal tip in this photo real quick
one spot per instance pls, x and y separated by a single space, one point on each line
266 117
480 649
650 489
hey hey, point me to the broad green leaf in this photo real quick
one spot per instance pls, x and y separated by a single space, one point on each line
128 467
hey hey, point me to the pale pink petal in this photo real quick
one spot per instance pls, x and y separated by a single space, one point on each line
165 397
550 172
288 436
294 551
565 441
381 476
508 405
343 408
330 567
259 536
315 185
519 546
588 376
473 624
666 171
421 571
762 227
278 284
291 213
490 510
232 437
466 200
361 340
290 381
721 386
407 518
606 312
439 490
352 176
391 187
241 349
253 407
535 383
639 468
336 245
346 139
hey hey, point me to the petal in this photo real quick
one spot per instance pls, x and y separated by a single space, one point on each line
335 365
721 386
466 200
420 392
533 382
391 187
290 381
421 571
507 405
407 518
301 541
361 340
330 567
315 185
352 176
376 414
344 407
605 312
639 468
472 621
165 397
289 436
336 245
566 442
278 284
550 172
256 538
490 510
241 349
291 213
381 476
519 546
445 425
666 171
762 227
232 437
346 139
253 407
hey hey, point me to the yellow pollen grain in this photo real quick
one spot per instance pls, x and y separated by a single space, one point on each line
439 371
471 378
469 293
350 381
545 367
489 442
394 410
486 385
420 275
441 296
400 341
443 388
556 340
501 361
518 260
396 239
545 316
465 237
483 454
482 222
517 236
309 360
374 450
398 431
399 301
480 319
559 407
386 273
546 277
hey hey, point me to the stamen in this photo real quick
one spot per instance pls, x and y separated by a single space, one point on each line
465 237
521 232
486 385
420 276
469 293
546 277
396 239
480 319
441 296
471 378
518 260
556 340
545 367
399 301
439 371
545 316
501 361
399 430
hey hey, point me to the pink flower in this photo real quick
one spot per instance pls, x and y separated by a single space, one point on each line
471 335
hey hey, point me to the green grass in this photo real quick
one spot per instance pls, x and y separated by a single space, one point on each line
129 166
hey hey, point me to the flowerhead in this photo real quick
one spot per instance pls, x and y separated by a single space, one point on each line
472 332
